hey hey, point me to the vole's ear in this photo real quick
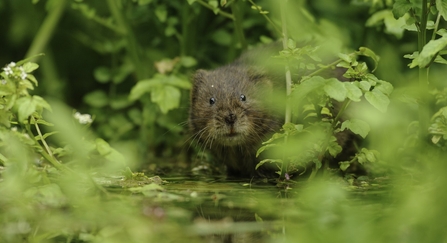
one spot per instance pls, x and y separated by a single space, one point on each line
199 76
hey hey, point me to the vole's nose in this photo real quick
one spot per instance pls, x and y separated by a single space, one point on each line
230 119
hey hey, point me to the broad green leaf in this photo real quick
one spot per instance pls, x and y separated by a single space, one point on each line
356 126
30 66
377 99
188 61
96 99
41 102
291 44
26 107
401 7
429 51
441 5
364 85
167 97
302 90
384 87
353 92
191 1
142 87
335 89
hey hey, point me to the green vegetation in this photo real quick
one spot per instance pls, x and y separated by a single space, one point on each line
102 92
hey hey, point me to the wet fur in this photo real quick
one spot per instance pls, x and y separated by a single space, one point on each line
232 128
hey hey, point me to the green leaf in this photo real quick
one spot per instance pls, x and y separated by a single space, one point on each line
344 165
353 92
302 90
102 74
167 97
26 107
108 152
291 44
369 53
441 5
335 89
96 99
45 135
401 7
161 12
188 61
384 87
377 99
356 126
333 147
41 102
428 52
365 85
30 66
191 1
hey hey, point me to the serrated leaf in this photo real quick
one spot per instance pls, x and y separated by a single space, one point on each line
333 147
335 89
267 161
353 92
356 126
377 99
263 148
428 52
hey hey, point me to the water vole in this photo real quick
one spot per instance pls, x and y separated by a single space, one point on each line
231 113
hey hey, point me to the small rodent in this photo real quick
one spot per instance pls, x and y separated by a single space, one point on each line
231 113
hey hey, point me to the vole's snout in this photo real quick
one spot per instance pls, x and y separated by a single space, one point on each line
230 119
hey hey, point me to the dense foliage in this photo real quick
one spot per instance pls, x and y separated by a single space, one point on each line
123 68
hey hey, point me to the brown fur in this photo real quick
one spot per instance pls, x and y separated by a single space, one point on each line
235 125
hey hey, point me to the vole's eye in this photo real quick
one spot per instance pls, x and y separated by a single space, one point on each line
212 101
242 97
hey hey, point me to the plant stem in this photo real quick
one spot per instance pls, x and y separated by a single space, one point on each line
46 29
288 112
237 14
132 45
267 18
424 115
206 5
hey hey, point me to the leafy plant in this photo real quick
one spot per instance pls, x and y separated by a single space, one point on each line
314 98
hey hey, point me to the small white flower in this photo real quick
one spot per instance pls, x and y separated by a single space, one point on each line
12 64
8 70
14 129
23 75
83 118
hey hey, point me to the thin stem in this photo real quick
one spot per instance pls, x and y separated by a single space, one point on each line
288 112
132 46
41 136
46 29
237 14
267 18
340 112
424 115
206 5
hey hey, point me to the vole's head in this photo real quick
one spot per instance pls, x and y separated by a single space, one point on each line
228 106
